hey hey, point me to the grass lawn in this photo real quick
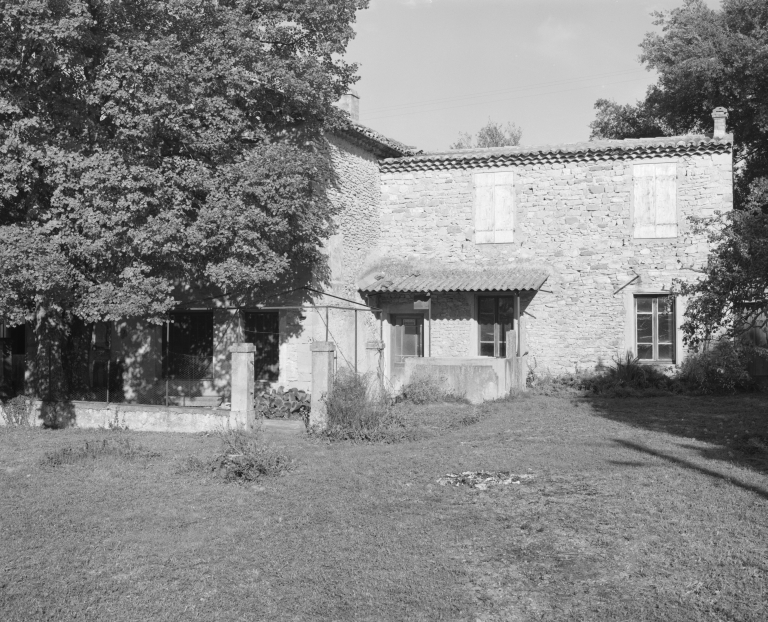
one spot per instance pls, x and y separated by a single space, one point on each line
639 509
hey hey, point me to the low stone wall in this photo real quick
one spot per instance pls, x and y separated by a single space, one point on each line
133 416
477 379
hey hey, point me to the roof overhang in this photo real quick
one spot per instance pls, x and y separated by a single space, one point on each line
454 279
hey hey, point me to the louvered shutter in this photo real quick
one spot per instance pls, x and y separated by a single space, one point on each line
484 209
666 200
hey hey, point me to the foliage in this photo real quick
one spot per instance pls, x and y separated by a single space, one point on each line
116 425
492 134
614 120
704 58
427 388
245 458
16 411
358 410
732 297
279 404
121 448
147 145
718 368
626 377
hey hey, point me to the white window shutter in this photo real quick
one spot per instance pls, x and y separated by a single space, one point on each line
504 208
666 200
484 207
644 219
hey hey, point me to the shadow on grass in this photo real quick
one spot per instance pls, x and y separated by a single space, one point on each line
736 425
758 490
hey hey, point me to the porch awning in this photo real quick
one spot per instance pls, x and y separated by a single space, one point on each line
454 279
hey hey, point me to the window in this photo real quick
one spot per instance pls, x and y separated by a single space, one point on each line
655 328
262 328
655 200
495 317
188 346
494 208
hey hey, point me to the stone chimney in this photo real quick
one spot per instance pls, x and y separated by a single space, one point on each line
719 114
350 103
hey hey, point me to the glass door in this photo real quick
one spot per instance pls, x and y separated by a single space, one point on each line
407 340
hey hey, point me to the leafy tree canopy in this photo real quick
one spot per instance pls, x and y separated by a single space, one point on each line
149 143
492 134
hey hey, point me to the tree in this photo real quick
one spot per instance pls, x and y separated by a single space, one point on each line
707 58
148 144
490 135
732 298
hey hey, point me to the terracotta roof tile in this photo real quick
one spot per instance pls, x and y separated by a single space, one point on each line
378 144
596 151
458 280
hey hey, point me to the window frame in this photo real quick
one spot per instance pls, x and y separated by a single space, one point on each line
497 339
655 329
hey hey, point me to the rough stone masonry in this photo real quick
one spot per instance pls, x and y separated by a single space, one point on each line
573 214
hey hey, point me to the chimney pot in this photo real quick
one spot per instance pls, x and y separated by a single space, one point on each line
719 114
350 103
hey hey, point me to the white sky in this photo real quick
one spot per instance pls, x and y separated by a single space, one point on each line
432 68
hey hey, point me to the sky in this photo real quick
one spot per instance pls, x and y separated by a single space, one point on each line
432 68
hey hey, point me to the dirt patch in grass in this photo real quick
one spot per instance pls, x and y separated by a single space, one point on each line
623 520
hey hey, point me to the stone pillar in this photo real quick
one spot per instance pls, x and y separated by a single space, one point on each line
322 382
243 411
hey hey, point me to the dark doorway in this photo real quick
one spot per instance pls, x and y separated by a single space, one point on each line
262 328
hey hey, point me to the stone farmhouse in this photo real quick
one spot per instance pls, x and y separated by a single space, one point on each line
478 265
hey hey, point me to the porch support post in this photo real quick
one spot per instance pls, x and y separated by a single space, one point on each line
322 382
374 351
243 411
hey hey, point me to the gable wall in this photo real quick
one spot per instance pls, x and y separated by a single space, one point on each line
575 218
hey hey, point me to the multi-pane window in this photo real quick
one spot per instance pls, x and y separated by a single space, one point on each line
494 207
495 318
262 328
188 346
655 200
655 328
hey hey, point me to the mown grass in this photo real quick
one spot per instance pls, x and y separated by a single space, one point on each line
639 509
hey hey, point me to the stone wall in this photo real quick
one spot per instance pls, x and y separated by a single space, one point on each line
574 218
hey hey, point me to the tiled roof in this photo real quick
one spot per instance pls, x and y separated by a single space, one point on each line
595 151
457 280
378 144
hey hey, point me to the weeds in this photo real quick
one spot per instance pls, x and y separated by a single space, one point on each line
16 412
121 448
244 457
359 410
427 388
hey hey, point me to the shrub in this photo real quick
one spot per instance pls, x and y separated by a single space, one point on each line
427 388
245 457
627 377
16 411
721 368
357 409
279 404
121 448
